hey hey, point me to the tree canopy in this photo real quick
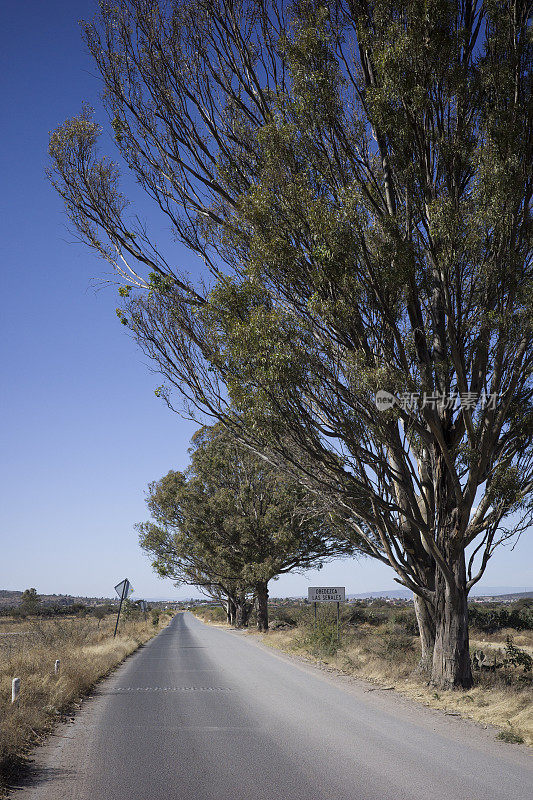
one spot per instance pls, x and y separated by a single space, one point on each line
30 601
232 523
357 180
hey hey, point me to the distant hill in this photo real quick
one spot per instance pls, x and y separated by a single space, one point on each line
391 594
504 593
509 597
500 591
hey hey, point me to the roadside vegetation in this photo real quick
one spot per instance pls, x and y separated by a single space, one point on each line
379 643
87 651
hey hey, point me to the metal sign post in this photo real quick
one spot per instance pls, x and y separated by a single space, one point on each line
123 589
327 594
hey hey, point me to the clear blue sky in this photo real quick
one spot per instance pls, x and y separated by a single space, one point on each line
82 432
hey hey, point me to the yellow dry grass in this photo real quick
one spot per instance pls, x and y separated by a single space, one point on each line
491 641
86 651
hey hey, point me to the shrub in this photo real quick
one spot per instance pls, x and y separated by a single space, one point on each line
357 615
510 736
214 613
376 617
517 657
321 640
405 620
379 602
396 645
287 617
490 619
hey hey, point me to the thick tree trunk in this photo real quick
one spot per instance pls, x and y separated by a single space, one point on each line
242 612
451 656
262 605
426 625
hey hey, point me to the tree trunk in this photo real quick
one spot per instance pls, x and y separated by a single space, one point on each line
242 612
262 605
230 611
426 625
451 656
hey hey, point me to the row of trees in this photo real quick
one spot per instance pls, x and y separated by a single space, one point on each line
356 179
231 523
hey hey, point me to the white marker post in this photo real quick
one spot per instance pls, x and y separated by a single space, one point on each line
15 690
57 665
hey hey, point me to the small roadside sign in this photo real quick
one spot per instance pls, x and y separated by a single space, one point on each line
124 589
326 594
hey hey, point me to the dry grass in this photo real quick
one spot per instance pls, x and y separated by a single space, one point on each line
213 615
490 641
87 653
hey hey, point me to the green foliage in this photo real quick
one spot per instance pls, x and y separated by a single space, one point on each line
160 283
376 617
130 609
286 617
517 657
320 639
405 620
357 615
379 612
31 602
492 618
232 521
100 612
510 736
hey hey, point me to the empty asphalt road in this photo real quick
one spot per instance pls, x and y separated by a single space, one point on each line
201 713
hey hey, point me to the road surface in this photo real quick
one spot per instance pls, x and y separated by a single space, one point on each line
202 713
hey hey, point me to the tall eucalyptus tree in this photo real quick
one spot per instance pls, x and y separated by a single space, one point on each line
357 181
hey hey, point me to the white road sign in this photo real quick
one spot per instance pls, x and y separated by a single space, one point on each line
119 588
326 594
